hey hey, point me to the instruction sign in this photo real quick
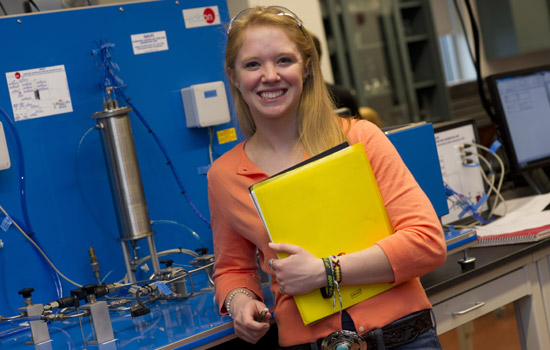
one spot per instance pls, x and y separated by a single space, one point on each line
149 42
39 92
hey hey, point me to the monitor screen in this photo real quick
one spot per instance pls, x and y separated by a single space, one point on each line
522 105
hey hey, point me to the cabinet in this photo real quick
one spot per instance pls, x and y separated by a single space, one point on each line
387 51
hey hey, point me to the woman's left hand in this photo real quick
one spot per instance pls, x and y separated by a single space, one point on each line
300 272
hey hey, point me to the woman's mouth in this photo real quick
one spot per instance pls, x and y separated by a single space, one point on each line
268 95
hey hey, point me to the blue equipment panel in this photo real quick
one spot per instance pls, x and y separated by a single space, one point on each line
66 200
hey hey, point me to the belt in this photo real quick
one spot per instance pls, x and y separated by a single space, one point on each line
395 334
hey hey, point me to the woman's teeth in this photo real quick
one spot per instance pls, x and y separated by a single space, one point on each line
275 94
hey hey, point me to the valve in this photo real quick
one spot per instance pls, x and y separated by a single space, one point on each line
26 292
167 262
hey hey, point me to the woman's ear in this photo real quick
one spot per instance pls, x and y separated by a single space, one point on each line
307 70
231 74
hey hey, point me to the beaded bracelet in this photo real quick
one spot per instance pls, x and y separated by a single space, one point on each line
328 291
231 296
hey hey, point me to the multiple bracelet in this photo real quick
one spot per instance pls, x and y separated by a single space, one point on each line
231 296
334 278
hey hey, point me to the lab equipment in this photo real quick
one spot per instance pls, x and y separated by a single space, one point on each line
39 328
205 104
460 169
125 179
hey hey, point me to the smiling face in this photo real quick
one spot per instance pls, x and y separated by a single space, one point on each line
269 72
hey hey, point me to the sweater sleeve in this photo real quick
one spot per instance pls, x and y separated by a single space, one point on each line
236 263
418 244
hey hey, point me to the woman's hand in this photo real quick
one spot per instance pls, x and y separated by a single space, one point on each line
300 272
246 313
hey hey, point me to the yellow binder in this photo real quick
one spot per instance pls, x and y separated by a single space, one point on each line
328 205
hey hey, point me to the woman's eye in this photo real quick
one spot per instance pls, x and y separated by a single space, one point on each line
251 65
285 60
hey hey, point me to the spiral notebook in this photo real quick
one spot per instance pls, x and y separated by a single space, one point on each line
515 228
328 205
524 220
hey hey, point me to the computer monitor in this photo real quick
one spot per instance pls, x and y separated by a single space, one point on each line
521 100
460 167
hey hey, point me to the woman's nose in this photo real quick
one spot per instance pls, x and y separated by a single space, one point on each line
270 73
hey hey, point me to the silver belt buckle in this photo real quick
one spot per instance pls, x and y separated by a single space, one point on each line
344 340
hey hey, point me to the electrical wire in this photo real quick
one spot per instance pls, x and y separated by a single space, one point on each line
210 144
33 4
463 25
481 90
502 168
40 251
493 188
465 203
3 9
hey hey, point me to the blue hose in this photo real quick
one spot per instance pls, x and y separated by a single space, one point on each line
55 276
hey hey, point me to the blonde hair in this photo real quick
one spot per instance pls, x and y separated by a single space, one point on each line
318 128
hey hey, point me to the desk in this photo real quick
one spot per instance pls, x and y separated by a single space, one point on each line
503 274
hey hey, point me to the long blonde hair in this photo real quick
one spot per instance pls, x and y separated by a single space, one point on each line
318 128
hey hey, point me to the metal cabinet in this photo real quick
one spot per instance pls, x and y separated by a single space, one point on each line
387 51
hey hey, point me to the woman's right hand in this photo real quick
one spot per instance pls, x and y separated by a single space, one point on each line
245 312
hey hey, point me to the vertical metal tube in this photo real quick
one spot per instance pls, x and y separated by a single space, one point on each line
125 178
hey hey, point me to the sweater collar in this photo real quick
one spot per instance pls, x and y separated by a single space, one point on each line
246 166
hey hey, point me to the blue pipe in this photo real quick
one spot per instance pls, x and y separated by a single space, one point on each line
55 276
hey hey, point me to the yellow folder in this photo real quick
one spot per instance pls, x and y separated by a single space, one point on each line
328 205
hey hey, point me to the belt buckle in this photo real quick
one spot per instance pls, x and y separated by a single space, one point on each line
344 340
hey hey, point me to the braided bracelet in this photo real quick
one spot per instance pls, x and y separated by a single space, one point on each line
231 296
336 266
328 291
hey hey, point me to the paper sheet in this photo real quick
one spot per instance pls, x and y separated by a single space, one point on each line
523 213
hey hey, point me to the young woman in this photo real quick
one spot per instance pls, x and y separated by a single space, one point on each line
285 111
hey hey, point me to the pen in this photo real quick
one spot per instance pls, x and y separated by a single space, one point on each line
262 315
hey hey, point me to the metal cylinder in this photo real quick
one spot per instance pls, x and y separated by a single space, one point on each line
124 175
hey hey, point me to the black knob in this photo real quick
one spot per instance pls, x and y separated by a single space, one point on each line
26 292
168 262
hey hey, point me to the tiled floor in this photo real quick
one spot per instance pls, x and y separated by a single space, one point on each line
495 330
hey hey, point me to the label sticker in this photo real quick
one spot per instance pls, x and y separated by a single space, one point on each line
227 135
39 92
149 42
201 17
210 93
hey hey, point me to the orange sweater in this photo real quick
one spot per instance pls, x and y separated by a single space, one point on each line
416 247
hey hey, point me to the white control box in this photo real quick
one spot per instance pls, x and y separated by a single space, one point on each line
4 154
205 104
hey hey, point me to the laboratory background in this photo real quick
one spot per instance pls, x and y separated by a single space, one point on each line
111 113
